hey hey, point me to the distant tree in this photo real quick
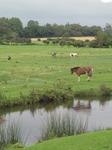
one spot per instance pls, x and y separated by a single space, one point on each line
14 35
79 43
58 30
93 30
32 30
55 41
102 39
76 29
93 44
32 23
62 43
28 40
108 28
12 30
48 30
16 26
1 40
66 34
5 31
46 42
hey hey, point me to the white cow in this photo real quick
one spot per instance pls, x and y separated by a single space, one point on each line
73 54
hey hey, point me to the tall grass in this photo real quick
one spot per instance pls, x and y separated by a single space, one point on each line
63 125
104 90
10 134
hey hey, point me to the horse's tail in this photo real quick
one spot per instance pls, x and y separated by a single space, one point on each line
90 72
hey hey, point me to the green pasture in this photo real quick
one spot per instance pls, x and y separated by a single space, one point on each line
92 141
34 67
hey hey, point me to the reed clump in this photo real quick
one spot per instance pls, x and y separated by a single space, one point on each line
63 125
10 134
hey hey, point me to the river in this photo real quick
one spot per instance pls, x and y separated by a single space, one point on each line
97 112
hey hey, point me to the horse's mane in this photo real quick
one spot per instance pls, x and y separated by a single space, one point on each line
76 68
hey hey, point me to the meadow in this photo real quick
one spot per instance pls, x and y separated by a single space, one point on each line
93 141
33 68
83 38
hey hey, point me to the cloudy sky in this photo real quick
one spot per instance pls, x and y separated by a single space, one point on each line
84 12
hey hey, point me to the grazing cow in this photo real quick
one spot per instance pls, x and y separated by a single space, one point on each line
9 57
73 54
53 54
79 71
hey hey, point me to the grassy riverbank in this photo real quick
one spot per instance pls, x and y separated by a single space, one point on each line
33 73
94 141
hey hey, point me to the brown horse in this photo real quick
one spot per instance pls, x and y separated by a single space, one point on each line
79 71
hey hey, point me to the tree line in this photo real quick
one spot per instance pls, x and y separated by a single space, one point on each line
12 30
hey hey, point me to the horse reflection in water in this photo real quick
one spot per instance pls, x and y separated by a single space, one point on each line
1 119
82 106
79 71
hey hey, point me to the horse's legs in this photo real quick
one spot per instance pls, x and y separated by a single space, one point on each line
88 79
78 78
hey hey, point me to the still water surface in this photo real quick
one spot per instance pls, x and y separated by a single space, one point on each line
98 114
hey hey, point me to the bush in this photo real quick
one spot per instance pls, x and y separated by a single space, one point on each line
93 44
104 90
79 43
56 92
46 42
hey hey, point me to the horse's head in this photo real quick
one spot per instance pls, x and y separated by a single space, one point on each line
74 70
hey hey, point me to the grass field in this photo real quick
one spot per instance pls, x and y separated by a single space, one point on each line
34 67
90 38
91 141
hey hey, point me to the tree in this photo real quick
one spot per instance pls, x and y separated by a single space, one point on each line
11 29
46 42
32 23
93 44
58 30
102 39
32 30
28 41
48 30
16 26
5 31
79 43
94 30
108 28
